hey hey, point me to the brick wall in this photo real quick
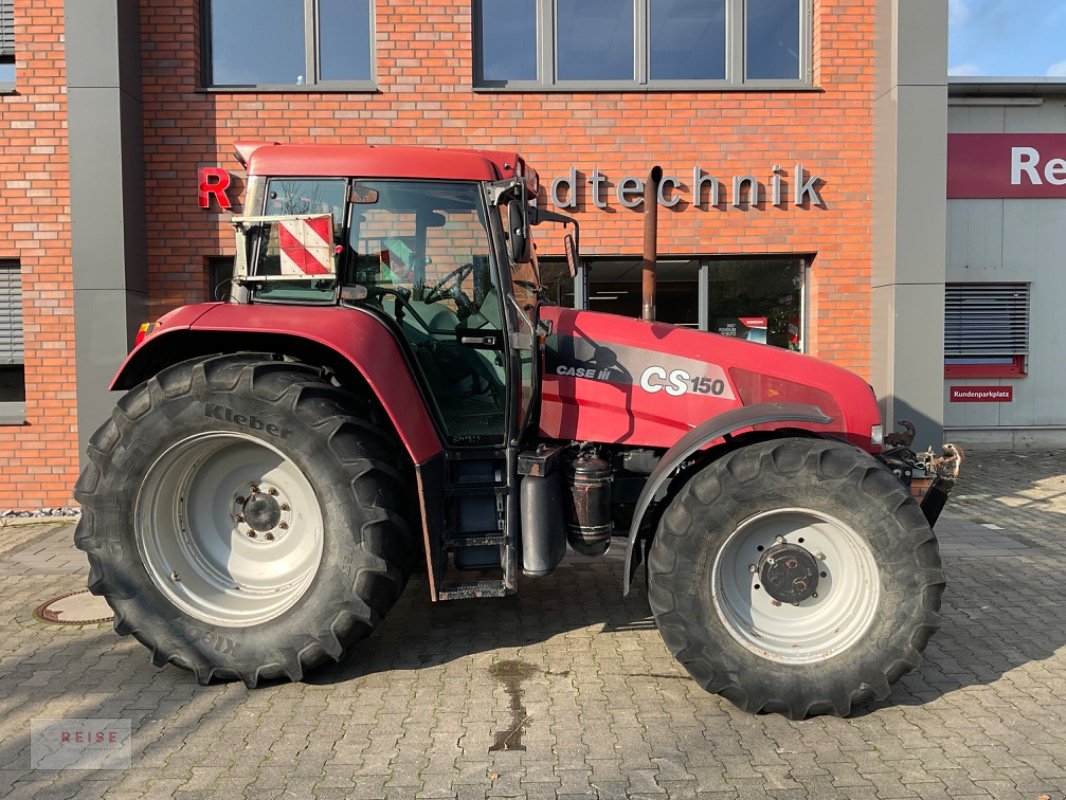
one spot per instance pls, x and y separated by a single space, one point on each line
39 460
425 98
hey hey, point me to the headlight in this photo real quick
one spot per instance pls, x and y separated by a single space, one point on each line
877 434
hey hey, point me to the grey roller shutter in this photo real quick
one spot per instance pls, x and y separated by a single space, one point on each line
10 313
986 319
7 27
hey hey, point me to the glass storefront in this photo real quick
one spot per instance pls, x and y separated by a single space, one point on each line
760 299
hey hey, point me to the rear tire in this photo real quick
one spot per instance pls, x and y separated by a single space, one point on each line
829 647
244 518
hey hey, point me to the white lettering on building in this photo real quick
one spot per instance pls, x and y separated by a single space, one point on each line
1026 160
704 191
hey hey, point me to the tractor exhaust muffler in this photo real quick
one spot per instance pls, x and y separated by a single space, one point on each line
651 236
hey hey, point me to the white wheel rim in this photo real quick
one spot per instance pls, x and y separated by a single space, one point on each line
198 545
817 628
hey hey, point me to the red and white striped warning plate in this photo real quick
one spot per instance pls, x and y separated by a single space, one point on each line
306 245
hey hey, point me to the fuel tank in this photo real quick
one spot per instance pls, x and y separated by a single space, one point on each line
620 380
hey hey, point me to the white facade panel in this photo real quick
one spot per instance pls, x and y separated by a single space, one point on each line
1012 240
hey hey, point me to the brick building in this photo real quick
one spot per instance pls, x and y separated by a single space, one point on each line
804 140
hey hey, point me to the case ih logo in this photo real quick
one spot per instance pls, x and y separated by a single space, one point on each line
1006 165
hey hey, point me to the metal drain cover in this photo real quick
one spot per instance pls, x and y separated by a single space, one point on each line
77 608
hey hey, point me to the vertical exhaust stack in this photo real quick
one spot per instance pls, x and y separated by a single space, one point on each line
651 236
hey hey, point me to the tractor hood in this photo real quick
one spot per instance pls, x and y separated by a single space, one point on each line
615 379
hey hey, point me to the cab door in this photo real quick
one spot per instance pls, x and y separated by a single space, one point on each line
423 249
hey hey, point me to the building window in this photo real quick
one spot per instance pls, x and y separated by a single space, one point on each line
634 44
219 277
321 43
986 329
7 45
760 299
12 373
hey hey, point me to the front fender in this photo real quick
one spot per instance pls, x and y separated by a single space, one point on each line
328 336
699 437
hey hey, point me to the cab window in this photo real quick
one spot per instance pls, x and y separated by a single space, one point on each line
422 249
293 196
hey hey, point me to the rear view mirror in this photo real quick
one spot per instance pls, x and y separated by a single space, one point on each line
518 232
570 247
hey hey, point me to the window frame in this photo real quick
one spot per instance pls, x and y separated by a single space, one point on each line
998 365
7 18
735 57
213 266
312 57
13 412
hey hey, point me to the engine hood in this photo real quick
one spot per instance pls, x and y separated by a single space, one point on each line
620 380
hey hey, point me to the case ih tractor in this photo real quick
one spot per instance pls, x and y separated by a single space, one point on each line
384 388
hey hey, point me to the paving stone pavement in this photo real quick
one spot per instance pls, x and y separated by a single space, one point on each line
567 691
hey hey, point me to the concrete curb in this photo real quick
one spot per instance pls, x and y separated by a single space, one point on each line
16 522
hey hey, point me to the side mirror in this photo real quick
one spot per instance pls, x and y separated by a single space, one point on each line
518 232
570 247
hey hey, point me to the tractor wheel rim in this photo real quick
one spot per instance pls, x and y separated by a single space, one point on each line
229 529
824 624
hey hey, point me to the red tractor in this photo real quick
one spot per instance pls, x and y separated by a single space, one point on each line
385 386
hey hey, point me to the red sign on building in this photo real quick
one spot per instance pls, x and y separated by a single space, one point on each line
214 181
1006 165
981 394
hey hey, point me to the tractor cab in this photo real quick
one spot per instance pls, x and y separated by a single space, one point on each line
448 268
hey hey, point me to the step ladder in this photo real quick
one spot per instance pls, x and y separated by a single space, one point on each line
474 537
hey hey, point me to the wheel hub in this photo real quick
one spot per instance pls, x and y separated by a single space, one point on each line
789 573
262 512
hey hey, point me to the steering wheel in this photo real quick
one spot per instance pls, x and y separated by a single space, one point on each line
461 300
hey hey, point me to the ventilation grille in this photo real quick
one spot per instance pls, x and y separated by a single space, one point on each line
7 28
10 313
986 319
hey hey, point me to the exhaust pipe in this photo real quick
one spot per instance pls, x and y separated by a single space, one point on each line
651 226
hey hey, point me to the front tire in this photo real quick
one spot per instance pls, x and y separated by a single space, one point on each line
244 518
797 576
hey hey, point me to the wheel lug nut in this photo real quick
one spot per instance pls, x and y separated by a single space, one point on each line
174 576
269 537
251 534
780 540
255 489
240 518
284 506
241 500
283 526
272 492
752 568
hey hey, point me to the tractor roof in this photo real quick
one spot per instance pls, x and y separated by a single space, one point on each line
373 161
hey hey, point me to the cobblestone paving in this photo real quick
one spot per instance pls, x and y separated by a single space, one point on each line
567 691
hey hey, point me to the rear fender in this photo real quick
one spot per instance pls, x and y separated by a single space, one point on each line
698 438
352 343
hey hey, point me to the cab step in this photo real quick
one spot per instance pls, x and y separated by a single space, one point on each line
463 590
473 539
465 489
